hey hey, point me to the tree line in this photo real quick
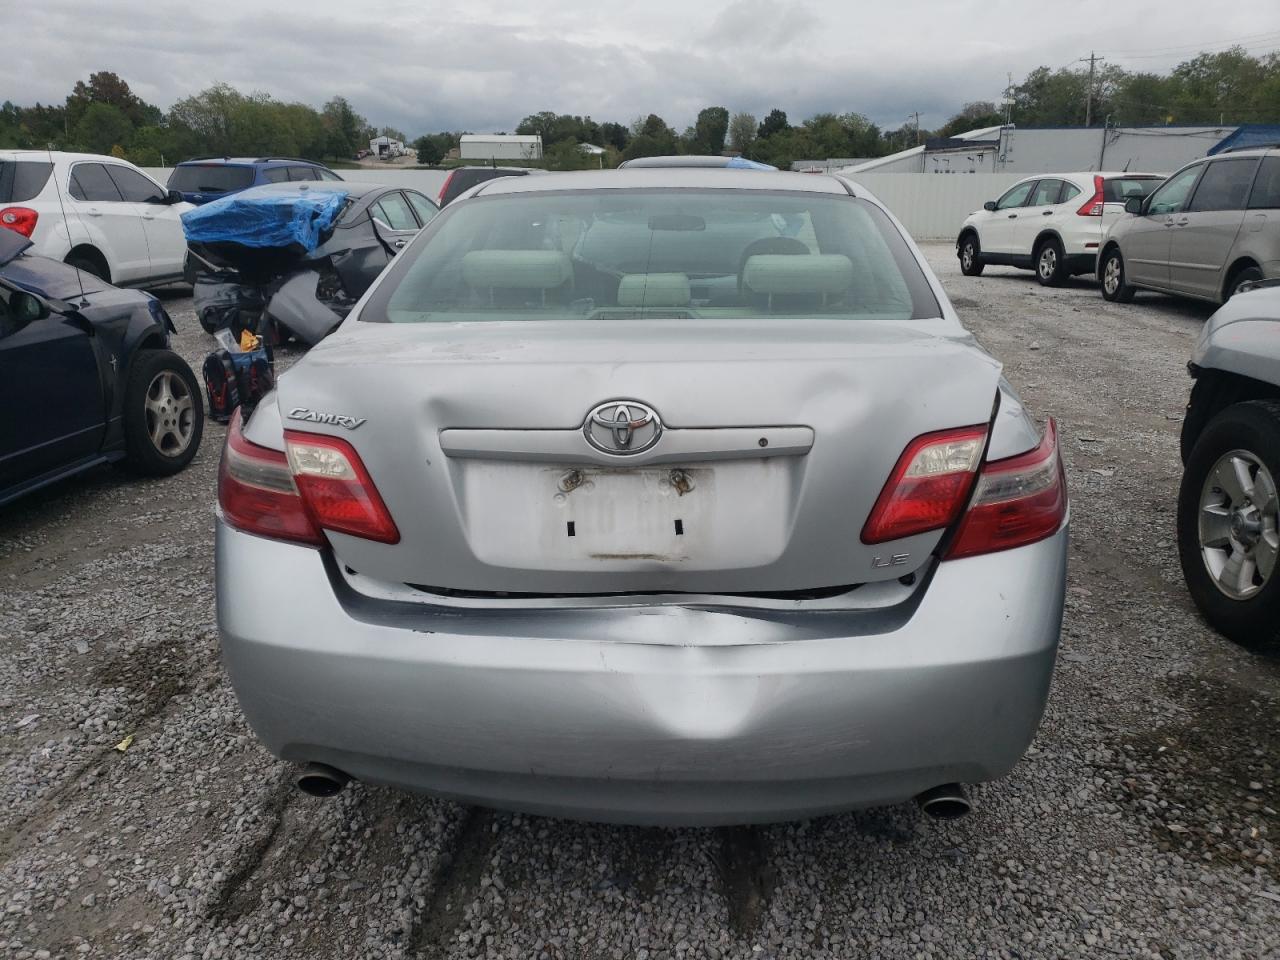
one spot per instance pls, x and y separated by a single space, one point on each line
103 115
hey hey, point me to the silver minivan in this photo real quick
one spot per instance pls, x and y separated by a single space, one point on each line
1210 228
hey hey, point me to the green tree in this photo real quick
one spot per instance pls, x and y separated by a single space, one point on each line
429 152
107 88
972 116
345 130
774 123
710 129
567 155
102 127
742 133
614 135
650 137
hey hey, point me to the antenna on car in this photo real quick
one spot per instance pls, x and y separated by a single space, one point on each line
66 224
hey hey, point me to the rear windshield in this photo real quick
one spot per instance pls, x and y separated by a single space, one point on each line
1120 189
673 254
209 178
22 180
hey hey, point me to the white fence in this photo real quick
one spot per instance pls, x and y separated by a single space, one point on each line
931 206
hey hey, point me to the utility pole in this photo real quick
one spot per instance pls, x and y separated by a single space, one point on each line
1008 100
1088 103
916 117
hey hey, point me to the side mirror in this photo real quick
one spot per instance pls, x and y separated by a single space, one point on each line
989 205
172 196
25 307
1134 205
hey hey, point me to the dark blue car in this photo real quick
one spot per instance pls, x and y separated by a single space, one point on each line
208 178
86 376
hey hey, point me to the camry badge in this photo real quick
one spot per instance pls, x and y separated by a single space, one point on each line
336 419
622 427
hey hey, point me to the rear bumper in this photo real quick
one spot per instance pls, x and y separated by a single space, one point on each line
684 715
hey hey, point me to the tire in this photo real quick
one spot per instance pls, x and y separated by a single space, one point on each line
970 254
1114 286
1228 531
1050 261
1247 275
163 414
88 265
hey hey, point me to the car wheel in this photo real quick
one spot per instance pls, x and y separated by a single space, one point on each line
88 265
1247 275
971 264
1051 269
1228 528
1114 287
163 414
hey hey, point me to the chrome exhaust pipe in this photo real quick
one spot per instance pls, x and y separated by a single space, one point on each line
945 802
321 780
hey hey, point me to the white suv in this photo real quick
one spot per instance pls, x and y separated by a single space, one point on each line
1052 223
98 213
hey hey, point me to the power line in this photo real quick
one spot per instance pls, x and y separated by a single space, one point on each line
1161 51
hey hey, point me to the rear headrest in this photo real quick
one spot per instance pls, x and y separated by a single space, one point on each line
654 290
516 269
816 273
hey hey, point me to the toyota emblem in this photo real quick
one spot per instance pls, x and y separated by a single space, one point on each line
622 427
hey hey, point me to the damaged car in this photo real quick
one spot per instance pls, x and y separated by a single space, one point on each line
665 496
292 259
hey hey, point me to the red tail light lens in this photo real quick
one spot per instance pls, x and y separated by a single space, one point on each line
929 485
19 219
1093 206
444 188
1016 502
257 494
336 487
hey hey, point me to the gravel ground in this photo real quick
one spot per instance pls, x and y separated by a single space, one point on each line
1142 823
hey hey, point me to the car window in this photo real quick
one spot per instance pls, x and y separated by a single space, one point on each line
1069 192
673 255
328 174
22 180
1046 192
209 177
1225 185
275 174
89 181
134 186
1172 196
1015 197
424 208
1266 186
1120 189
302 173
393 210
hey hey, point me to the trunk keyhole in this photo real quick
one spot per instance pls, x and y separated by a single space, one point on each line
679 528
570 530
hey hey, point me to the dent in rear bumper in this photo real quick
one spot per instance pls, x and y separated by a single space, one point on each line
666 729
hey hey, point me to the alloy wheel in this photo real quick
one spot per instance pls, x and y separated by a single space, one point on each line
1048 262
966 255
170 413
1111 274
1239 530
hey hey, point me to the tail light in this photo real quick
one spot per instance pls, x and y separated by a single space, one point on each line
19 219
1016 501
444 188
319 484
257 494
1093 206
929 485
337 489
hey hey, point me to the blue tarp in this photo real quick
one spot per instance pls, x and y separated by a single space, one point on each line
267 217
742 163
1249 135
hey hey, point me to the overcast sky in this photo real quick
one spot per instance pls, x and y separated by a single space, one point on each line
482 65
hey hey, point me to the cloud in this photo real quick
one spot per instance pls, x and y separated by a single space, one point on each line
761 24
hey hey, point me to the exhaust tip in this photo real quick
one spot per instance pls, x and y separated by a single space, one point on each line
321 780
945 802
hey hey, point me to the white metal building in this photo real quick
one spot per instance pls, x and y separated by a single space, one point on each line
1027 150
496 146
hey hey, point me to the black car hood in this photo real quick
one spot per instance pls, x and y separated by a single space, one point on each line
12 244
44 277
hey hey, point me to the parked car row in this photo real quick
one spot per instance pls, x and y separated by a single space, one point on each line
1204 232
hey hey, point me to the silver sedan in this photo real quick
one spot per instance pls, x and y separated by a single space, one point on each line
654 496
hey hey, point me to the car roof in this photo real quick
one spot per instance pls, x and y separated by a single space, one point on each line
59 155
352 188
250 161
676 178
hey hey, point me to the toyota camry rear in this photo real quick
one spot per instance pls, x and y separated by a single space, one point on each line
656 496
